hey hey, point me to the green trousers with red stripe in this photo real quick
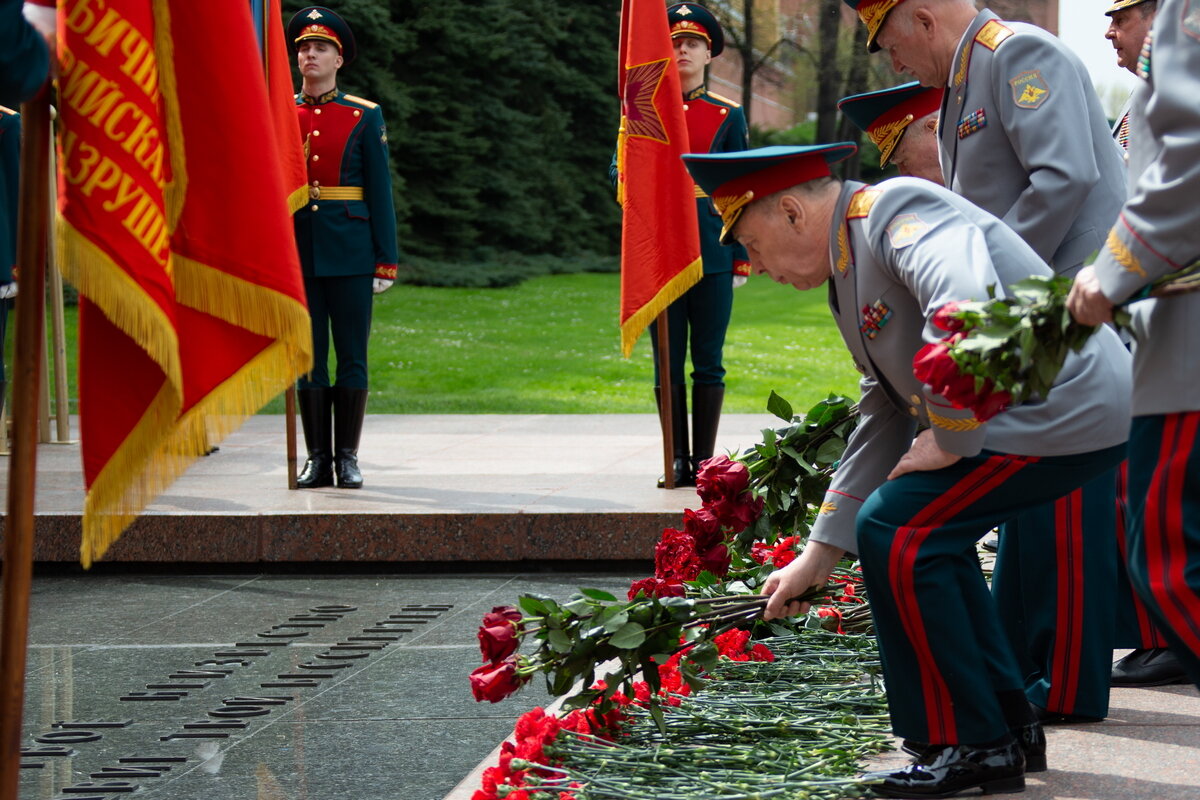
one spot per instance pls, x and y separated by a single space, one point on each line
1054 586
946 658
1135 627
1164 527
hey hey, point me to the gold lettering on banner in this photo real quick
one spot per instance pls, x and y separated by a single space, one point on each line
105 29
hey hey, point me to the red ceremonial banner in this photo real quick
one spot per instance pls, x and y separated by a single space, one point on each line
175 226
660 239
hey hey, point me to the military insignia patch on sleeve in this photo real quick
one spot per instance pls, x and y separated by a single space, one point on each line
1191 19
905 230
1029 89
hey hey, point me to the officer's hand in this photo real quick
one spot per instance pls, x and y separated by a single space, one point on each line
923 456
382 285
739 281
8 290
1086 302
811 568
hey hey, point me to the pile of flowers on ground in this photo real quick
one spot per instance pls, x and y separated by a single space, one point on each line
697 615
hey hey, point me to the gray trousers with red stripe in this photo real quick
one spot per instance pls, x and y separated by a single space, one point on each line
946 658
1054 585
1163 546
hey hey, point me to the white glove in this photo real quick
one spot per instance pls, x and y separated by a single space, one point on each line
8 290
738 281
382 285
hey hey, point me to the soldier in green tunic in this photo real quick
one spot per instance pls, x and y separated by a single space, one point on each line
346 235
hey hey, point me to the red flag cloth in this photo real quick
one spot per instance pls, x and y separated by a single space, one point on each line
283 108
660 239
174 224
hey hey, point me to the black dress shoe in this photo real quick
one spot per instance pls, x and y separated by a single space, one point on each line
1047 717
1155 666
946 770
991 544
317 472
1031 738
681 471
345 467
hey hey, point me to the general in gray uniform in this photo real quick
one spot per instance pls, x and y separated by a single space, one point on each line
913 508
1156 235
1023 136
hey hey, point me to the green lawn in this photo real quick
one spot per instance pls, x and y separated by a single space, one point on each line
550 346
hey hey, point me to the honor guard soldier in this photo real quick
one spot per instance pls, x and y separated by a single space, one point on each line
913 508
1156 235
700 318
24 49
1023 136
10 166
346 235
1128 26
902 122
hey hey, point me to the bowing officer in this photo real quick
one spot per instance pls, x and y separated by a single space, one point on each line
902 122
700 318
913 509
1023 136
1150 663
1156 235
346 235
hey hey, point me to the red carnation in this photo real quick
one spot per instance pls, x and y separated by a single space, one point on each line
720 477
494 682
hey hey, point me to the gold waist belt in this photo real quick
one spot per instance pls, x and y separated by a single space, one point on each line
335 193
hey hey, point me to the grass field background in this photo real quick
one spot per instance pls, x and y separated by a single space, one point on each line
550 345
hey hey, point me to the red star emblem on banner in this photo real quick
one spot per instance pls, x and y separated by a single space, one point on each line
641 85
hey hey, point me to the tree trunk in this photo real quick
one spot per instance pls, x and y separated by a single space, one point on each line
829 75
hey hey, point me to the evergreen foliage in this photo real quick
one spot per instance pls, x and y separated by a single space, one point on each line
502 118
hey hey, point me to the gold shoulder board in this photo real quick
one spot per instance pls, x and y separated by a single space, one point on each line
726 100
6 110
861 202
361 101
993 33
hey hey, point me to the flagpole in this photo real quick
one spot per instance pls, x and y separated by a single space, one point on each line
33 231
665 407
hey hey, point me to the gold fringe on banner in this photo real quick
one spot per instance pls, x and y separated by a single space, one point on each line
632 328
175 191
117 294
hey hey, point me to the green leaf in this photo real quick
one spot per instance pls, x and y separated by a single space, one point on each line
830 451
579 605
532 605
780 407
615 621
559 641
598 594
629 636
657 713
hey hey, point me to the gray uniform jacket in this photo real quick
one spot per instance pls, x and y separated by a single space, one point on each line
1158 230
900 251
1022 135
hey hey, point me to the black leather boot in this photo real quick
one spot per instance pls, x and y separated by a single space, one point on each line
1146 667
349 408
681 468
314 417
707 399
946 770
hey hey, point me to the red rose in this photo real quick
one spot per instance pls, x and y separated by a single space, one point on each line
494 682
737 513
991 404
959 391
675 556
720 477
497 642
760 552
834 615
703 526
715 560
784 551
942 318
500 614
933 365
655 587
